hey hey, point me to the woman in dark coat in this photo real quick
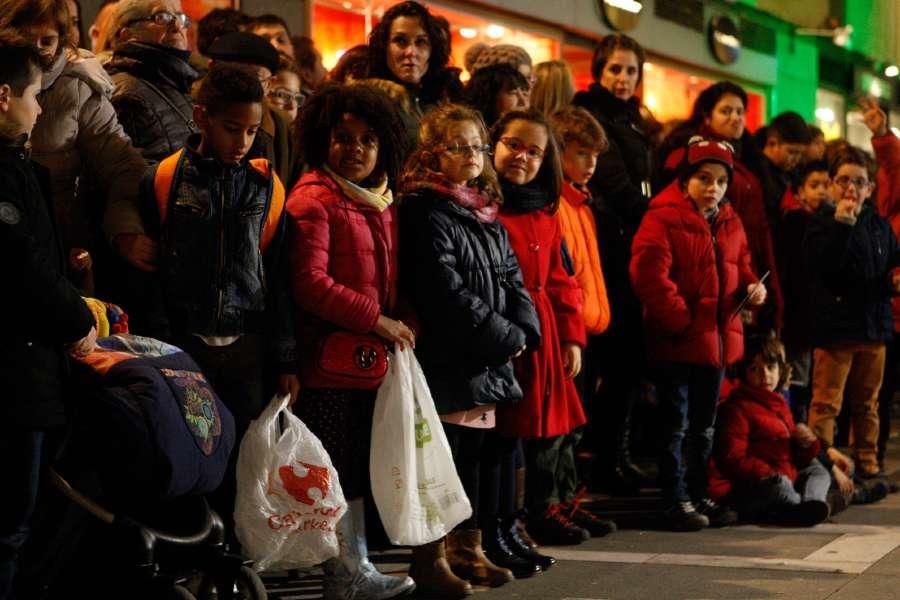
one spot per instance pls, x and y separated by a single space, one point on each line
621 190
411 47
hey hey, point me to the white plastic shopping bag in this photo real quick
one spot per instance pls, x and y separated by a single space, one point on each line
289 499
414 481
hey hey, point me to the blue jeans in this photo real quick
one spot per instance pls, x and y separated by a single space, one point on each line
20 463
753 502
688 395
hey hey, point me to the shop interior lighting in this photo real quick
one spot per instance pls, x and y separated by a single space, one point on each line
839 35
891 71
825 114
632 6
875 88
468 32
347 5
896 131
495 32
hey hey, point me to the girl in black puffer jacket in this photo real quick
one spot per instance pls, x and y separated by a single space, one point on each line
464 281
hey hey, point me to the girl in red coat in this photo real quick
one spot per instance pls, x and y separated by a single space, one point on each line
527 162
690 268
768 462
343 249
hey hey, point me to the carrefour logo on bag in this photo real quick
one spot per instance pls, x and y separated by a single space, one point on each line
298 479
298 486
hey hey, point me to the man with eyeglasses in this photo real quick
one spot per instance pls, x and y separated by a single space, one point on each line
152 75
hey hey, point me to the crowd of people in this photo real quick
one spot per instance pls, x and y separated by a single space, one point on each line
551 256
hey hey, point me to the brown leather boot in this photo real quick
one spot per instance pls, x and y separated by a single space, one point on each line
431 572
467 559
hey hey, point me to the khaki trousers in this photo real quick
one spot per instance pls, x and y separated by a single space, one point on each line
853 371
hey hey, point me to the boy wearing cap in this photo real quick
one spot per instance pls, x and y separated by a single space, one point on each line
273 140
690 268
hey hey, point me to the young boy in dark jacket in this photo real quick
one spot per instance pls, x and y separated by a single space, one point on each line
220 293
853 252
46 314
813 189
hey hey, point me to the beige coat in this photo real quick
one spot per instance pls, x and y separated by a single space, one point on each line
90 158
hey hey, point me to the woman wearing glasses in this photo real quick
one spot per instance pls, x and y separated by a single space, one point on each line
152 76
284 88
78 139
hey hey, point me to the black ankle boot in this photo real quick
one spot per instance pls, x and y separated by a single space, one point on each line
498 551
520 547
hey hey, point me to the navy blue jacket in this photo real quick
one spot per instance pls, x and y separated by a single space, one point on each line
214 279
465 284
851 267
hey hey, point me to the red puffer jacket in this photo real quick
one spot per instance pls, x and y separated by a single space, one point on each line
753 441
745 193
690 276
343 263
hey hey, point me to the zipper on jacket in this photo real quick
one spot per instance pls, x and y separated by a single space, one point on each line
221 258
721 326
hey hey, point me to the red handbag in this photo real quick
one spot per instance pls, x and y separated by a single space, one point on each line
352 360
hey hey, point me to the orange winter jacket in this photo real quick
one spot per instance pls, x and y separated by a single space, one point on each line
580 232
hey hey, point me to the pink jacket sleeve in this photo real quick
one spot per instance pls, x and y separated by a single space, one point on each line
315 290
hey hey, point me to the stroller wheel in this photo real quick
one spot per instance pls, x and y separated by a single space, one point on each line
181 593
244 584
249 585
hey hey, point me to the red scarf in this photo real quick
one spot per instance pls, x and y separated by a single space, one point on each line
470 198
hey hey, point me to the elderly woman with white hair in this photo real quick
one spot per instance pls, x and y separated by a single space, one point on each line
152 76
79 140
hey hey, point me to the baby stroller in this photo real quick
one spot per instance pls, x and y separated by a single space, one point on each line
150 437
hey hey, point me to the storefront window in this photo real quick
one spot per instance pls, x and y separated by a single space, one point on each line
670 94
830 113
579 60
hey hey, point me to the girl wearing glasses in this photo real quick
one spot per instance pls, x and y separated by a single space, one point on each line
527 163
460 272
343 254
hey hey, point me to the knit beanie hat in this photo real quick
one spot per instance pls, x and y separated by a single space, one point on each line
482 55
701 150
245 48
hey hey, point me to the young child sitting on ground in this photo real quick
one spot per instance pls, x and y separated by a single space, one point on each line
768 463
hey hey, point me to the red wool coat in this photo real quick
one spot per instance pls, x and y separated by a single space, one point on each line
551 405
343 264
753 441
690 281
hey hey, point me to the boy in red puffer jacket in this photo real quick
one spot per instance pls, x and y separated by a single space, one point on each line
690 268
767 461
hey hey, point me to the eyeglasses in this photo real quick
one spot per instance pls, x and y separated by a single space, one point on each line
368 141
458 149
518 147
844 182
166 19
285 96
